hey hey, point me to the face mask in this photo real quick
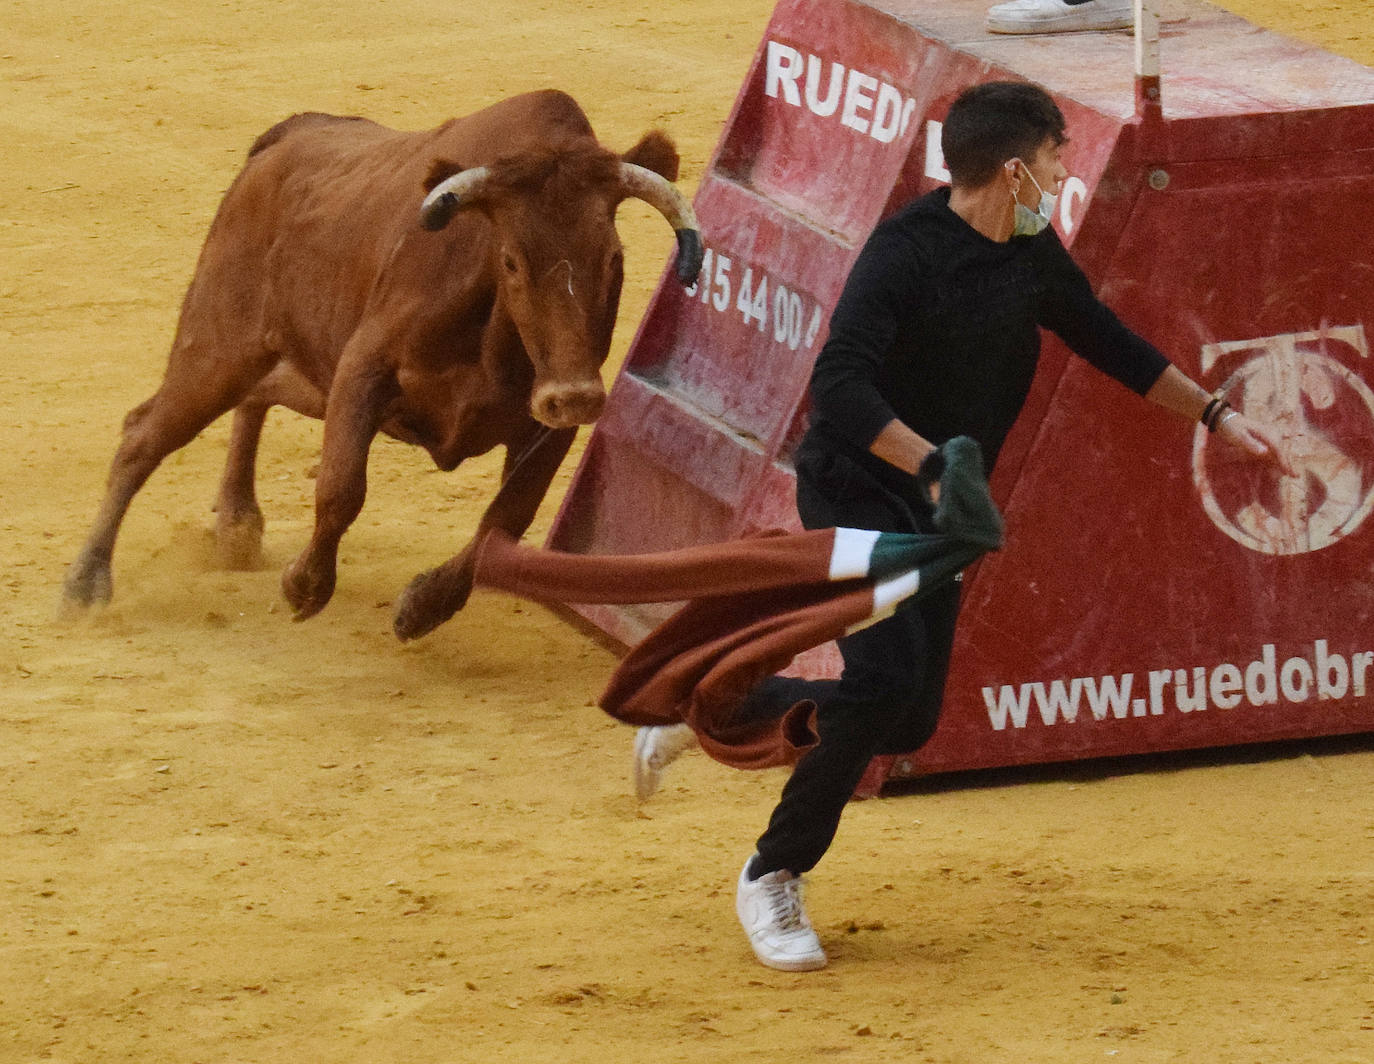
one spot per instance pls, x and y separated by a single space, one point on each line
1027 222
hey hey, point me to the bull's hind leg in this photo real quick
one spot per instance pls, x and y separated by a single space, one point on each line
437 594
238 518
188 400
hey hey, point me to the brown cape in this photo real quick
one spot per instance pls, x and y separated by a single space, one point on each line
752 605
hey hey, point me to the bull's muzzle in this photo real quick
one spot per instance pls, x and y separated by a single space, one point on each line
561 406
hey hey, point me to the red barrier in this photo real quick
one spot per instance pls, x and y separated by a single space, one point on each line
1152 596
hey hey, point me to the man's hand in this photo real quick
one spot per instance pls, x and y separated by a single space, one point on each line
900 446
1255 438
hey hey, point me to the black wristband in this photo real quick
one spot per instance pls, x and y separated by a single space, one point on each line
1215 422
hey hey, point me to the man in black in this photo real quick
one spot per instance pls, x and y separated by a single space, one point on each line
936 335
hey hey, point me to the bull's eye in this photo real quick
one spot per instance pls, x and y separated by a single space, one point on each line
511 265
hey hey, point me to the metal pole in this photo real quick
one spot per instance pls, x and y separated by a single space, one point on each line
1147 90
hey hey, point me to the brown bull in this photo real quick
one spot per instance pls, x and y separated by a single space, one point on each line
479 317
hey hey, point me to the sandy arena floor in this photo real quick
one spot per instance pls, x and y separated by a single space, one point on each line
228 838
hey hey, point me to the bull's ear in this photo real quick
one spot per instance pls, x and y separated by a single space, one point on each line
657 152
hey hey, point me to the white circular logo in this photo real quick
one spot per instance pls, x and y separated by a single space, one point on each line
1324 412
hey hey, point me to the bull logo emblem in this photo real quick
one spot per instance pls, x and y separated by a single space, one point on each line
1304 385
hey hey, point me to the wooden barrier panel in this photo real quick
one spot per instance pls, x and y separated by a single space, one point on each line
1155 592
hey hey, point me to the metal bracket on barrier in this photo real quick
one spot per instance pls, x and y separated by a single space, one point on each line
1149 104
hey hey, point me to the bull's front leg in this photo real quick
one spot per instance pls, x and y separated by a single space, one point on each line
437 594
353 414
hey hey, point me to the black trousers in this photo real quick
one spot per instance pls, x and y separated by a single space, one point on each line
887 699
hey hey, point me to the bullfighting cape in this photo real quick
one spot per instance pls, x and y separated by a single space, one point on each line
751 606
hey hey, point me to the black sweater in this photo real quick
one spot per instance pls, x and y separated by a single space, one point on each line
939 326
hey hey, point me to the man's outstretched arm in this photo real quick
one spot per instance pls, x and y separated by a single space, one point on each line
1175 391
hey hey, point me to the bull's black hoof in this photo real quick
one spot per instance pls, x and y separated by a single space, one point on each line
238 543
87 584
306 610
306 591
427 602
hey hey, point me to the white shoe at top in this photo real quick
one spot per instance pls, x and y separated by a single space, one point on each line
770 911
655 749
1056 16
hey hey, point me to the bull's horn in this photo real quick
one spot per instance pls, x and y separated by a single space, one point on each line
660 193
451 193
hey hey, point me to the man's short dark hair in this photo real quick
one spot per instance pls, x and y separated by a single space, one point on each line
996 121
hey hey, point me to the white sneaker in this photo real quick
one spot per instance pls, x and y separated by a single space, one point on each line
1055 16
655 749
770 909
